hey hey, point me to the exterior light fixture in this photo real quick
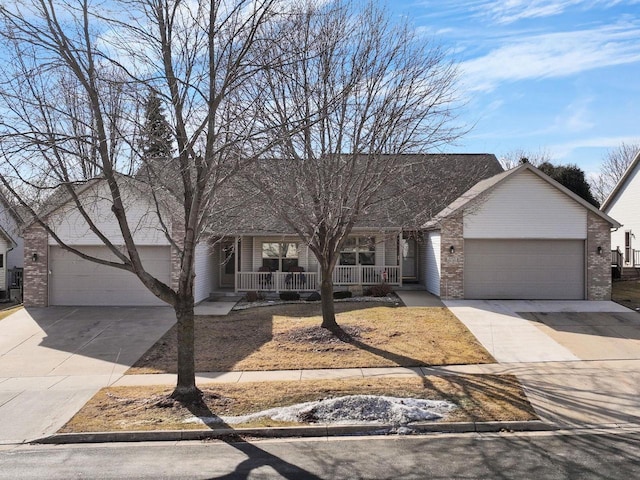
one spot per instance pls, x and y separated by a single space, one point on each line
34 256
452 249
599 250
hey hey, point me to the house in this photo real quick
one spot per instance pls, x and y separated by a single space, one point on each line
11 247
469 230
623 203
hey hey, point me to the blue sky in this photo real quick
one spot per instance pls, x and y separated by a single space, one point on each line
559 76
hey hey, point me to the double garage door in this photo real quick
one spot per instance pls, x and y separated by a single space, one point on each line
74 281
524 269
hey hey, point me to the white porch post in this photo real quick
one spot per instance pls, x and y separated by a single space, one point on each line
236 269
400 249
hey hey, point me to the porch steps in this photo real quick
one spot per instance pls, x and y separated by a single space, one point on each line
224 295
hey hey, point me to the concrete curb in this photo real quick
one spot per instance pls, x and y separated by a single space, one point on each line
287 432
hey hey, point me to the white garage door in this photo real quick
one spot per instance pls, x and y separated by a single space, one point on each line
74 281
524 269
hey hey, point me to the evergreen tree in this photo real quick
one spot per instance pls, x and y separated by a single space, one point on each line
572 177
157 136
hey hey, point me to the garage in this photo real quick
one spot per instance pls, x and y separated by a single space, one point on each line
74 281
524 269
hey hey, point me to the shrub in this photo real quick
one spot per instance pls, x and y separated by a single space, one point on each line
254 296
314 297
288 296
380 290
342 294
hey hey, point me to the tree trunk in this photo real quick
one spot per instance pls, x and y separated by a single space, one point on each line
328 308
186 390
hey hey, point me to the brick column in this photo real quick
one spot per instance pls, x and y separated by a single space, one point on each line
36 273
598 265
452 264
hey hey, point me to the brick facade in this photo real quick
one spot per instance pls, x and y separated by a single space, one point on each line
452 264
598 264
598 271
36 273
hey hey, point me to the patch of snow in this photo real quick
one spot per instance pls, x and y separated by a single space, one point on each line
367 409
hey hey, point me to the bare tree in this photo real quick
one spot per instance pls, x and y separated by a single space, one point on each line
76 78
352 92
515 157
613 167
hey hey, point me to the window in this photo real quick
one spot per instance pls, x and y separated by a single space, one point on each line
279 256
358 251
1 260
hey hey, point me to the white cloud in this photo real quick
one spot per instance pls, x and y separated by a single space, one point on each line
563 150
510 11
553 55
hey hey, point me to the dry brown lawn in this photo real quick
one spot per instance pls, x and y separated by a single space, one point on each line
287 337
626 293
8 311
479 398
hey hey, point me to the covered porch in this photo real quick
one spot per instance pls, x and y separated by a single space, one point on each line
283 263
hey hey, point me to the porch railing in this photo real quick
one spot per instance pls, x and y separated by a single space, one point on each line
365 275
343 275
636 258
278 281
617 259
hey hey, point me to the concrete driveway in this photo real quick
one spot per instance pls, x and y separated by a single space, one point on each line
53 360
579 362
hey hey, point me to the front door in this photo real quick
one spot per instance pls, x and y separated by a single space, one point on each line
228 263
409 270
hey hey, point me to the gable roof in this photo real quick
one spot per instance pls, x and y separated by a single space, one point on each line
423 187
614 193
426 184
4 234
490 184
9 207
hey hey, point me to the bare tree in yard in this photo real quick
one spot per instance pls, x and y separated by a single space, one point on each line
357 92
612 169
76 78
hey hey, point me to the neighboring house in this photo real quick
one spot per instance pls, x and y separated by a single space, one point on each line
514 234
11 245
623 203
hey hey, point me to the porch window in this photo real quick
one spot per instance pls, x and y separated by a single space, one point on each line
358 251
279 255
